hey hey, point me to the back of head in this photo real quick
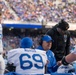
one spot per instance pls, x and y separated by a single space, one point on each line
26 42
63 25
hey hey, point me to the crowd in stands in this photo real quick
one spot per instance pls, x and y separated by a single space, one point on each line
38 10
11 42
5 11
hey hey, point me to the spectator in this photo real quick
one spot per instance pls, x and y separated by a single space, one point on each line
61 38
46 44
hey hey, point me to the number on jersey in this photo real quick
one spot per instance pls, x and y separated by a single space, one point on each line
35 57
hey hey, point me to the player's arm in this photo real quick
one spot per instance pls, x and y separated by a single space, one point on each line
69 58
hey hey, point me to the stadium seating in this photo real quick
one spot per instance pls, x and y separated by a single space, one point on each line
42 10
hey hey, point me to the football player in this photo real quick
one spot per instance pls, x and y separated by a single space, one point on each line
2 63
25 60
70 57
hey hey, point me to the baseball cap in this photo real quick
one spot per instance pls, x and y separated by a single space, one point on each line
47 38
26 42
63 25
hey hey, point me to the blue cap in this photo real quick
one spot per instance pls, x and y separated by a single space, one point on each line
26 42
47 38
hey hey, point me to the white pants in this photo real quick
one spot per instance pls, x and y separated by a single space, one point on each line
2 65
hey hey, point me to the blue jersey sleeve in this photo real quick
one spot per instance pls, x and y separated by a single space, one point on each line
52 65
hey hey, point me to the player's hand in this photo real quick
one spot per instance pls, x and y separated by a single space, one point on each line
59 63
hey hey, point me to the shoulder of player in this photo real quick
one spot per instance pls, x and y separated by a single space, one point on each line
41 51
13 51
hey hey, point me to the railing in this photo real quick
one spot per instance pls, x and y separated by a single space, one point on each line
47 25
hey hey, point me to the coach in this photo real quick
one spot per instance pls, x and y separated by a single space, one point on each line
61 37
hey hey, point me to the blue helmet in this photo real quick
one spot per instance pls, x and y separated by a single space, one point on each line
26 42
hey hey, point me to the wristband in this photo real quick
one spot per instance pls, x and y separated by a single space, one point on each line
64 62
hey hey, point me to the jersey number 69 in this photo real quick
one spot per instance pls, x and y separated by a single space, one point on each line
30 62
